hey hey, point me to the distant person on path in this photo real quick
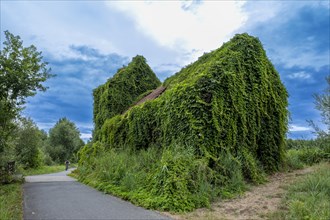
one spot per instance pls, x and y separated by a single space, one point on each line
67 163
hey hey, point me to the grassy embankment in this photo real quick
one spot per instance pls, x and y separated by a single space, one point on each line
131 174
308 197
11 198
43 170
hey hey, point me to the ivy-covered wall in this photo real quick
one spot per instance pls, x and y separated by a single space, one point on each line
221 121
230 100
122 90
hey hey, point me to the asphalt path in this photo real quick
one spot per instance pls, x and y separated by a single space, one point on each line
58 196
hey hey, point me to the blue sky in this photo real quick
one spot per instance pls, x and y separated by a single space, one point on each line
85 42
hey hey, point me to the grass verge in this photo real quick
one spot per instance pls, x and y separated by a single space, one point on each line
11 201
172 179
43 170
308 198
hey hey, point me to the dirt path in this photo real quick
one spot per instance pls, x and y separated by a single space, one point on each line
254 204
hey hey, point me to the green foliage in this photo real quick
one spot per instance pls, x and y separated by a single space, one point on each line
122 90
28 144
167 179
231 98
11 196
24 148
43 170
221 120
322 103
293 160
309 197
64 141
7 126
307 152
173 184
22 72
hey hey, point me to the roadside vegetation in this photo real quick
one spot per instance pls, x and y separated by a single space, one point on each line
11 199
24 148
303 153
43 170
308 197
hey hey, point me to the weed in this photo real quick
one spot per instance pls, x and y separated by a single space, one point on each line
309 197
43 170
11 201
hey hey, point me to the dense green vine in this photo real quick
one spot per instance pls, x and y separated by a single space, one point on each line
122 90
230 99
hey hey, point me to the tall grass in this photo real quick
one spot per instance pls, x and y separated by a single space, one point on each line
175 178
308 197
11 201
307 152
43 170
171 179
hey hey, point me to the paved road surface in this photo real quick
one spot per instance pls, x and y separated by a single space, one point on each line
52 177
57 196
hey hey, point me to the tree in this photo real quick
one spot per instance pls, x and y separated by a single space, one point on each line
28 144
64 141
322 103
22 72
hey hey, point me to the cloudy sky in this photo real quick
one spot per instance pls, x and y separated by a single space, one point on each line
85 42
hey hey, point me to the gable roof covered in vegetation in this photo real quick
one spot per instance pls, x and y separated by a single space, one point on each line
122 90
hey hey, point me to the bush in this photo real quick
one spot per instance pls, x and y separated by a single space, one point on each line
306 152
293 160
28 144
171 179
181 182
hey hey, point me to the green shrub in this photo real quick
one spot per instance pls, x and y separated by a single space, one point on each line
227 175
171 179
293 160
311 156
306 152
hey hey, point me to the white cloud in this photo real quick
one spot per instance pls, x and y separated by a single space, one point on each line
55 25
279 24
288 57
85 136
45 125
299 75
295 128
262 11
198 27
